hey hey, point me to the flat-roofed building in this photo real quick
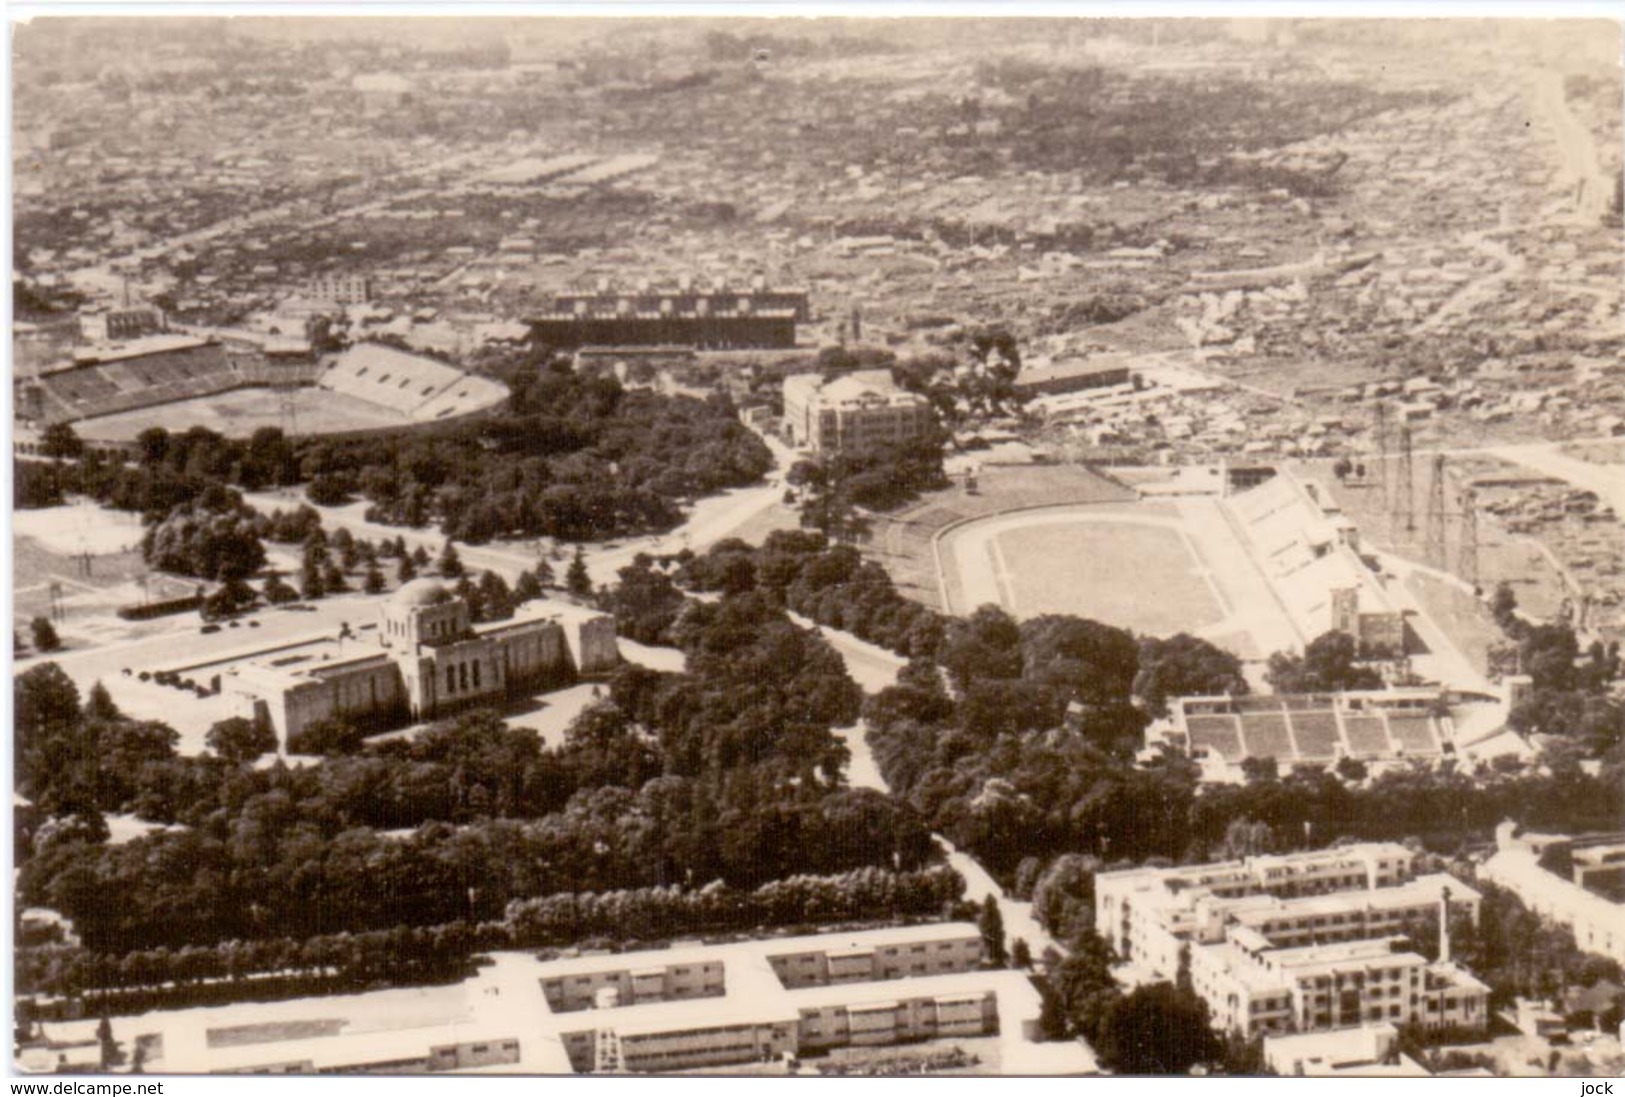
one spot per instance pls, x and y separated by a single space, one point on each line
688 1007
853 412
764 999
426 660
115 325
1596 920
340 289
1370 1051
714 317
1250 986
1269 938
689 296
1074 375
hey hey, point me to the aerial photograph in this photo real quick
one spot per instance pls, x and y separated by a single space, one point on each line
817 547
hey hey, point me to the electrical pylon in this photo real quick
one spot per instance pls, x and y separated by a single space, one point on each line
1404 489
1381 411
1434 520
1467 551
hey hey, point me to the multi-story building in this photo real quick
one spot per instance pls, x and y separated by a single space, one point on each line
1577 900
717 317
853 412
1267 939
340 289
706 1005
1370 1051
427 660
688 296
687 1007
1251 986
116 325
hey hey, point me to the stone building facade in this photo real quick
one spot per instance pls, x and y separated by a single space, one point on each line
428 660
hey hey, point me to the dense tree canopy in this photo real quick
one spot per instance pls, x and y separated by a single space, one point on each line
208 544
569 457
1329 663
1184 666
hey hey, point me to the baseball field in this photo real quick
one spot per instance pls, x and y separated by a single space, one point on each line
239 413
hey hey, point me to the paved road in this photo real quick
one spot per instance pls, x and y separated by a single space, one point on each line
875 668
1482 289
1608 481
1576 146
1018 916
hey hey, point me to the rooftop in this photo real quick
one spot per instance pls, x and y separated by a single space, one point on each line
504 1001
421 592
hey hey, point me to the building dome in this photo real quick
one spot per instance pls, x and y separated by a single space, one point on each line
421 592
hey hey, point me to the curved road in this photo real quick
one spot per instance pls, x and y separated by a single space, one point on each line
874 668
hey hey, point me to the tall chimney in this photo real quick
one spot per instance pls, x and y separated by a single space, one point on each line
1444 925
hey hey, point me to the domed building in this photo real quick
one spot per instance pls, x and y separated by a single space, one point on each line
427 660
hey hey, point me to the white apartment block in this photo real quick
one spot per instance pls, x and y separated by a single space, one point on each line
687 1007
1270 939
1597 923
1251 986
341 289
853 412
693 1007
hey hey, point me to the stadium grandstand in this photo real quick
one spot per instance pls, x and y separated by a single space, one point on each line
104 380
1382 725
419 389
716 316
110 392
1309 552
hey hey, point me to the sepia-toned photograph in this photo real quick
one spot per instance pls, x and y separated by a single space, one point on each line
620 543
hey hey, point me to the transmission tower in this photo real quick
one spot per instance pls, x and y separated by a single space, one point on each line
1467 551
1404 490
1435 518
1381 410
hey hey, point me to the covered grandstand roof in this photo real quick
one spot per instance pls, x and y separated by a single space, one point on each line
421 388
1307 550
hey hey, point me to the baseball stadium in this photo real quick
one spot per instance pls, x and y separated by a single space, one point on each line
176 381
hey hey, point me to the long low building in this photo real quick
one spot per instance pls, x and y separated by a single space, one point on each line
1297 942
1597 921
716 317
774 329
1370 1051
1074 375
682 1008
